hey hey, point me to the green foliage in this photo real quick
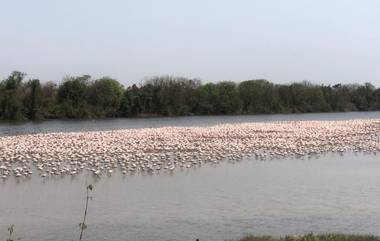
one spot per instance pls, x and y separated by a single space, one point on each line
105 96
11 96
312 237
82 97
169 96
206 97
259 96
308 98
363 97
32 100
72 97
49 104
227 98
132 102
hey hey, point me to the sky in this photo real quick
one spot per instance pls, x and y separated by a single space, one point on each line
324 41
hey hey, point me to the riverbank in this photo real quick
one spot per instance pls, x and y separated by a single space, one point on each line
169 148
312 237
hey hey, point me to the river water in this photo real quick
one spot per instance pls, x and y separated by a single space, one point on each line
330 193
126 123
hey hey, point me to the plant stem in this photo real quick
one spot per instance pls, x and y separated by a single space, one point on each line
84 217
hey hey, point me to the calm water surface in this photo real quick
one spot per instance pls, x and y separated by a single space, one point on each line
328 194
332 193
125 123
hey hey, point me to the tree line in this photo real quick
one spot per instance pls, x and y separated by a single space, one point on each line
84 97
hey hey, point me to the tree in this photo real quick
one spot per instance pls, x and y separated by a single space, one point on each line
49 104
377 99
307 97
81 97
33 99
131 104
363 97
105 96
72 97
228 98
172 95
259 96
11 99
206 98
341 98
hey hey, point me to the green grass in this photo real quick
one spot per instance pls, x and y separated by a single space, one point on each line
313 237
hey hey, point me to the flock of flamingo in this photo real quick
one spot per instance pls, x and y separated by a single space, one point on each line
170 148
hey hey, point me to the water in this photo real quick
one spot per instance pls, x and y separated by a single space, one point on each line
328 194
125 123
332 193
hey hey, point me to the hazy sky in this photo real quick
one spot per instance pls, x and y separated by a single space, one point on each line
281 40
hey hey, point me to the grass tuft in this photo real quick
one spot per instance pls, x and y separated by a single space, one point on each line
313 237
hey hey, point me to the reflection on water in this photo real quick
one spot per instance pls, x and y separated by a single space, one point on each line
114 124
332 193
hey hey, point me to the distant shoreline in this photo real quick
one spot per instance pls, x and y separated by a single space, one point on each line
155 116
81 97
